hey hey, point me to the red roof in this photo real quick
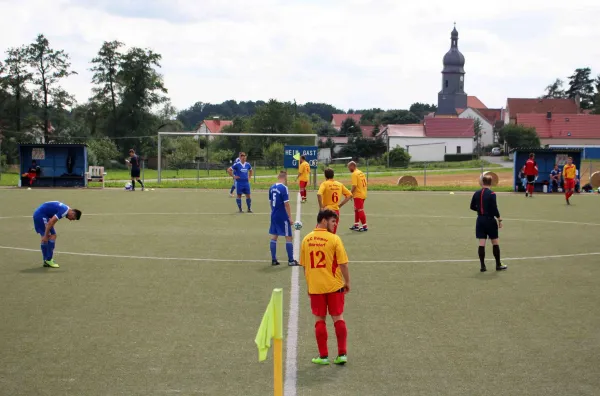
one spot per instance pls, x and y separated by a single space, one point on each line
474 102
339 118
215 126
405 130
367 130
449 127
540 106
563 126
335 139
492 115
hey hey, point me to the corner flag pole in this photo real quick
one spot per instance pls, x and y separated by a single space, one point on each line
278 343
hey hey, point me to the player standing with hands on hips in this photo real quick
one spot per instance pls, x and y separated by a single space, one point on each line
303 177
242 172
325 263
359 194
281 219
488 221
134 163
330 192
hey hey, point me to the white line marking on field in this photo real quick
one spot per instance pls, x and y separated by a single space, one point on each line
289 388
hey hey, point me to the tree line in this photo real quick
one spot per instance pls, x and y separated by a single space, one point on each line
581 84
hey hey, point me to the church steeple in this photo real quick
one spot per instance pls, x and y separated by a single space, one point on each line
452 96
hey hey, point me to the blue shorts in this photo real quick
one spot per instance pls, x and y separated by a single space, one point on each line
242 188
40 225
280 228
486 227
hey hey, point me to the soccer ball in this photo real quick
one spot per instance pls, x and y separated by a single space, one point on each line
297 225
598 190
127 186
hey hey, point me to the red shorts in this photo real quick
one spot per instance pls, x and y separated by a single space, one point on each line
332 302
338 221
569 184
303 184
359 203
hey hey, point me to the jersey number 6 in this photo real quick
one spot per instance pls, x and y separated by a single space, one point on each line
335 197
320 255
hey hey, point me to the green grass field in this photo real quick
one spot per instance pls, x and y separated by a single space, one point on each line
162 292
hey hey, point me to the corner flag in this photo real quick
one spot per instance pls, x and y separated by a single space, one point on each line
297 156
271 326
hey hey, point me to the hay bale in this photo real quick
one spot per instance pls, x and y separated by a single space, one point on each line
407 181
495 178
595 180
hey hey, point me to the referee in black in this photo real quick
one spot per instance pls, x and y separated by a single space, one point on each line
488 221
134 162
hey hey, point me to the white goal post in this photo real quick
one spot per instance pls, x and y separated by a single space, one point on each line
198 134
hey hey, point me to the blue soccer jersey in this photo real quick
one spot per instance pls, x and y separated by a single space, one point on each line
45 212
280 222
242 170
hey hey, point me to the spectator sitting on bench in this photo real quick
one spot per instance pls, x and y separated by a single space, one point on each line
523 178
554 179
33 172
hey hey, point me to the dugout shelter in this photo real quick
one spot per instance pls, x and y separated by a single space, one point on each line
61 165
545 159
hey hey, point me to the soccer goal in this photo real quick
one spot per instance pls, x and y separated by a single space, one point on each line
185 156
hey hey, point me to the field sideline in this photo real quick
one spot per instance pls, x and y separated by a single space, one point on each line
162 293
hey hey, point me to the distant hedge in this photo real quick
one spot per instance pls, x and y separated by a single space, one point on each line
458 157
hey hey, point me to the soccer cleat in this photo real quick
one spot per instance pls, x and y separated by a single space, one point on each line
341 360
274 262
363 229
50 263
526 194
249 211
231 195
568 202
142 188
241 211
324 361
354 228
483 269
293 263
501 267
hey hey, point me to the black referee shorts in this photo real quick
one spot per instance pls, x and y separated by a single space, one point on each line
135 172
486 227
530 179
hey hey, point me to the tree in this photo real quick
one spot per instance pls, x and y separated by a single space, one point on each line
274 155
50 67
360 147
477 129
597 97
519 136
422 109
555 90
350 128
398 157
106 67
397 117
183 152
581 84
16 80
102 151
368 115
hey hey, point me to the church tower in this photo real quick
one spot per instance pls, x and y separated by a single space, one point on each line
452 96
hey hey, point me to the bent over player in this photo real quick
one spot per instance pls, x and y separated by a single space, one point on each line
325 263
44 219
281 217
329 195
359 194
488 222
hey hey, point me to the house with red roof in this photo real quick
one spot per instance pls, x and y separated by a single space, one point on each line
430 141
564 129
338 119
213 125
515 106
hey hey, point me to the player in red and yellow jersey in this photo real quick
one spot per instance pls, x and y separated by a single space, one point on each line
359 194
325 263
303 177
570 175
329 195
531 172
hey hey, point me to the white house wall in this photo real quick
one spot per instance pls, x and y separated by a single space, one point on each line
450 144
487 129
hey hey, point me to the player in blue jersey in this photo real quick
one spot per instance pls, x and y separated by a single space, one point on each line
242 172
44 219
234 183
281 219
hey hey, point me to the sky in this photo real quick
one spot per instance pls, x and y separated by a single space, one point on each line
352 54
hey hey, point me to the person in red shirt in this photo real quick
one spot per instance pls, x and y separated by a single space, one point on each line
531 172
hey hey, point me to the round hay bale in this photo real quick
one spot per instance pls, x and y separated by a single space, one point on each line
407 181
595 180
495 178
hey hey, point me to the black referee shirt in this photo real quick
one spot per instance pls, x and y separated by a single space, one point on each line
484 203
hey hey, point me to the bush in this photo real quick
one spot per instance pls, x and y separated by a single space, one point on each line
458 157
273 155
101 151
399 158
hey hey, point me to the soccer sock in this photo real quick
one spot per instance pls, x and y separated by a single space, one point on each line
481 252
141 183
50 249
273 249
133 184
356 217
289 247
496 249
239 203
248 202
363 218
321 334
342 334
232 188
44 247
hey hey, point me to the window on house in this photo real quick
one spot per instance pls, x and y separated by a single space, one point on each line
446 83
457 149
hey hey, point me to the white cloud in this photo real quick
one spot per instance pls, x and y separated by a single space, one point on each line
353 54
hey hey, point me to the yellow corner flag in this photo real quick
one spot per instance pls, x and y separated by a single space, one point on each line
297 156
271 326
